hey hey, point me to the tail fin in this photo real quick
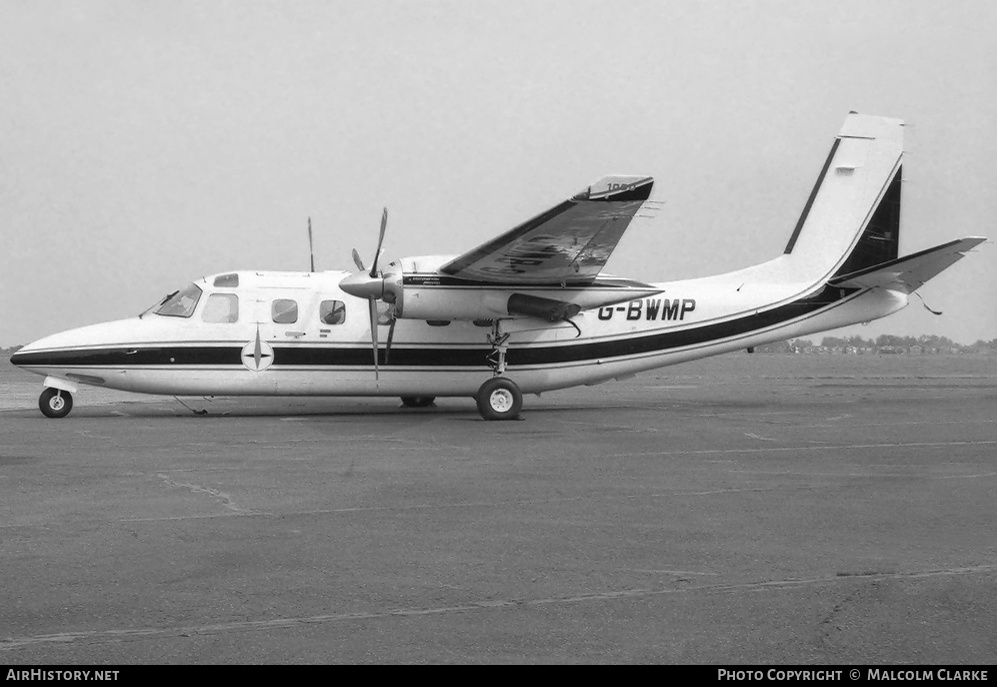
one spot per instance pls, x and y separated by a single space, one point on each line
852 218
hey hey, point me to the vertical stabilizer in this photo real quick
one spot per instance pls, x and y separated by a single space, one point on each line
852 218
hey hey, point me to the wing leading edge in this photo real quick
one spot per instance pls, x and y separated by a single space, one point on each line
569 244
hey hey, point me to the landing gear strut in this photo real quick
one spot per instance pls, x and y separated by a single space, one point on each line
55 403
500 344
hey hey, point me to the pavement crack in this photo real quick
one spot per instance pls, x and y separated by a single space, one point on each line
224 499
483 605
758 437
830 622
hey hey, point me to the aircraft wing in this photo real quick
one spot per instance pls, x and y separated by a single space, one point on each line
909 273
568 244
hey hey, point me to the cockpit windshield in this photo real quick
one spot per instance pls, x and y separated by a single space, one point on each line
180 303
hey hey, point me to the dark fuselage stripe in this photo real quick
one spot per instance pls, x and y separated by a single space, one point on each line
680 339
441 357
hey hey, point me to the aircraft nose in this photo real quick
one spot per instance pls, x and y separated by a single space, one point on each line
363 285
24 354
73 342
17 358
34 352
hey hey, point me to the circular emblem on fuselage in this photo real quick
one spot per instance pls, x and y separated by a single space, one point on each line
257 355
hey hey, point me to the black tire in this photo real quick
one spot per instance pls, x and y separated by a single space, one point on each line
418 401
55 403
499 399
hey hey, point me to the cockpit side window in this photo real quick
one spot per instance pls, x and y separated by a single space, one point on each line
180 303
221 308
332 312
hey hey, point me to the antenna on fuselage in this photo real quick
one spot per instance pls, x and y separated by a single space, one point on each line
311 247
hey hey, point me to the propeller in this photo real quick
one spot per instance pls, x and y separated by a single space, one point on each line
311 246
391 335
380 240
369 285
372 302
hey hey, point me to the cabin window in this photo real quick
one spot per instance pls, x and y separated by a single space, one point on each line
180 303
231 280
332 312
437 323
221 308
284 311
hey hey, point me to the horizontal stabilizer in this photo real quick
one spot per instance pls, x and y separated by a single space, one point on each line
909 273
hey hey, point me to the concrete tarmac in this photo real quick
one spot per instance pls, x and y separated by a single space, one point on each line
748 509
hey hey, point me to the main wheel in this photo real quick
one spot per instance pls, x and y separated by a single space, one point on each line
418 401
55 402
499 399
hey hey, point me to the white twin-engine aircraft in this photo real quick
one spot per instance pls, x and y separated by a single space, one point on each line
527 312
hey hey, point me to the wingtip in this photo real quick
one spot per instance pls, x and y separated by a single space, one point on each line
857 125
618 188
970 242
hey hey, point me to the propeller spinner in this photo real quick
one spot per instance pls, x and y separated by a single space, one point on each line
364 284
369 285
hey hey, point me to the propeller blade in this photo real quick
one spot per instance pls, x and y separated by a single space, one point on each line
391 334
380 240
311 246
357 261
373 332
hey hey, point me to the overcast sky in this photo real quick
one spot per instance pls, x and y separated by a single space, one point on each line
146 143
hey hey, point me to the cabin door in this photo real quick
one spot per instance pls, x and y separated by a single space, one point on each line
285 315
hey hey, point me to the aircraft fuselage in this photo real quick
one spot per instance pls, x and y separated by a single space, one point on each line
284 342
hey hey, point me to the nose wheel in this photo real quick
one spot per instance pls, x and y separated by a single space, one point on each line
55 403
499 399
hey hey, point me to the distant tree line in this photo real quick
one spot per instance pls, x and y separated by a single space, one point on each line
926 344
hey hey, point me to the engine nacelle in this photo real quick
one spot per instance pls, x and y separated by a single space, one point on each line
459 304
430 295
419 291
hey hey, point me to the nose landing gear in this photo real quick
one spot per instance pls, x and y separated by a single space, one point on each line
55 403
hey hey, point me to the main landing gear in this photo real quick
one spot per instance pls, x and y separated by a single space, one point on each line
499 398
55 403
